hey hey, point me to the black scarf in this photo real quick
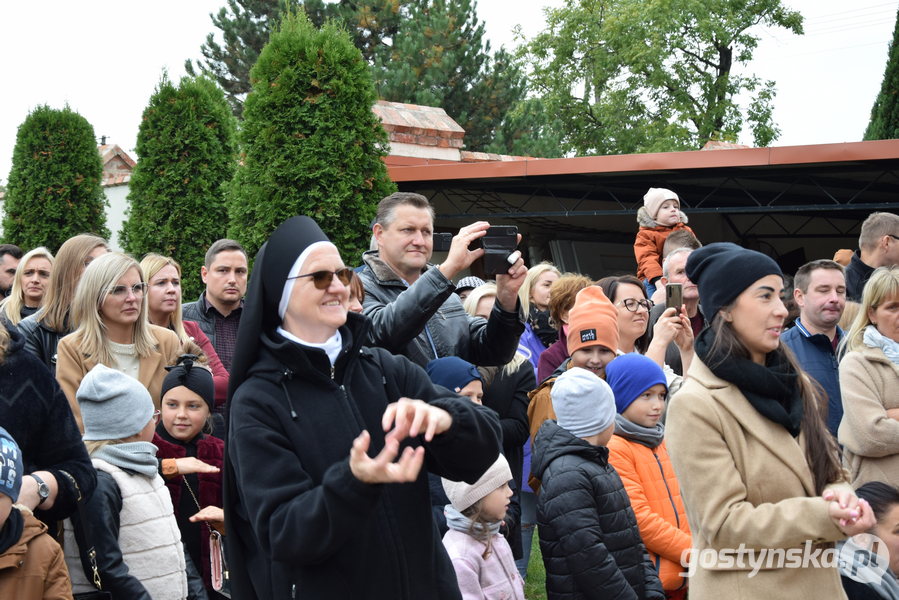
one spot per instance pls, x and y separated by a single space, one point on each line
12 530
539 320
772 389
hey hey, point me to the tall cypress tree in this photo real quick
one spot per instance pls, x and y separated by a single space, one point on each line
311 143
884 123
187 148
245 26
54 184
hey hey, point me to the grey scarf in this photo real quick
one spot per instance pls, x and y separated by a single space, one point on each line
139 457
649 437
875 339
459 522
864 566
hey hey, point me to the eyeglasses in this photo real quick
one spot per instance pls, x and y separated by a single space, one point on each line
156 415
895 237
634 305
138 289
322 279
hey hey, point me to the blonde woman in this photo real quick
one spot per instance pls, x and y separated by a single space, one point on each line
43 329
164 309
534 296
110 316
28 287
869 377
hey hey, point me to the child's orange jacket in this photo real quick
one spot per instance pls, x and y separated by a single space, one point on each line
649 479
649 242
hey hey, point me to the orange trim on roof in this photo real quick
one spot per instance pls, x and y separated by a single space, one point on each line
662 161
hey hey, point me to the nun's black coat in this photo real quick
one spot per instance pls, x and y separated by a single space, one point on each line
300 525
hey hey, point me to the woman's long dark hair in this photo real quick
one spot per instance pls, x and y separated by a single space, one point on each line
609 286
881 496
820 449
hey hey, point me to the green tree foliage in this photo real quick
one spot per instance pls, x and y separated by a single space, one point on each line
311 143
245 26
884 123
529 130
54 184
188 152
439 58
654 75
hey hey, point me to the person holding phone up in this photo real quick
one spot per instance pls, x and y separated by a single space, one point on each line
411 303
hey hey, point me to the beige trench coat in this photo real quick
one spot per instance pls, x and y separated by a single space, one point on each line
745 480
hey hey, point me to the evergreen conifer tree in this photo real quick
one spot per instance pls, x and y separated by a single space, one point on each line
310 141
54 189
884 123
187 155
440 58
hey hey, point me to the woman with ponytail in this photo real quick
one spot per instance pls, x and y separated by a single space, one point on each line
758 470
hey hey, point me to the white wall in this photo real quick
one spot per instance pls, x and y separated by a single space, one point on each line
115 212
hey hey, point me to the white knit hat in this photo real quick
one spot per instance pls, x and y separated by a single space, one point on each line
654 199
462 495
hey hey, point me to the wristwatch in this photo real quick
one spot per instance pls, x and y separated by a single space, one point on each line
43 490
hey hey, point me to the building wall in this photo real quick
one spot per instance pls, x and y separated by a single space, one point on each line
116 212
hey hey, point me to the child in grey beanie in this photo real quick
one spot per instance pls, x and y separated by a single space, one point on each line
584 404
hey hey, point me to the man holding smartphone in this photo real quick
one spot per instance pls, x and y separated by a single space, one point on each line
411 303
674 271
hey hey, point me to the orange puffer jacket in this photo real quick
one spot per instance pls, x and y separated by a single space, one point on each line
649 243
649 479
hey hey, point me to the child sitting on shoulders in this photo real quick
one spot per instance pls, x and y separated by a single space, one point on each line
481 556
638 453
588 533
32 566
659 216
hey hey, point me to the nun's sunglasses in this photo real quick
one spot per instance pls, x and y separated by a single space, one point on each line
322 279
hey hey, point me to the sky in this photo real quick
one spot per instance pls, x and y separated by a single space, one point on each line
105 60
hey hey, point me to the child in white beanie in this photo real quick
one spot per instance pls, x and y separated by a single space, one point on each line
131 523
481 556
659 216
588 532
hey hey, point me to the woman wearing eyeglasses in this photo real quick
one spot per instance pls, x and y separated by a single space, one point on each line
629 297
111 328
325 492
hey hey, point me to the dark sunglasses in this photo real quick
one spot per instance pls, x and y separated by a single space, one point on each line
322 279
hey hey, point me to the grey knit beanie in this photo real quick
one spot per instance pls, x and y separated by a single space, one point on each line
462 495
584 403
113 405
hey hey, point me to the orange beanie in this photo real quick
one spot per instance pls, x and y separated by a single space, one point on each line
592 321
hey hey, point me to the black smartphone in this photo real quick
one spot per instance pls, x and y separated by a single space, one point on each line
674 296
498 244
442 242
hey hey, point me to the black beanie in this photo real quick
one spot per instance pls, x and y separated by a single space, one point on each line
195 378
723 270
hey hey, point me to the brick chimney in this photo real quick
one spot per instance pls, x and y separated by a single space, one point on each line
420 131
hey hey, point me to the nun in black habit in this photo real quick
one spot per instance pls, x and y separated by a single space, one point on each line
317 504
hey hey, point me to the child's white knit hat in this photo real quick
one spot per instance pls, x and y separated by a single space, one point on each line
654 199
462 495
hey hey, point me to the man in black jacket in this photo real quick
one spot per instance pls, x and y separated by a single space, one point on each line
589 537
878 245
411 303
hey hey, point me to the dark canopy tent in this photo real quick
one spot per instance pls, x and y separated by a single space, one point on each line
794 203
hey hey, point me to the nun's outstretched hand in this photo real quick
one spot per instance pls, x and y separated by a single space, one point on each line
382 468
410 418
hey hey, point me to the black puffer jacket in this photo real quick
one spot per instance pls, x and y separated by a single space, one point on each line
588 533
300 525
426 320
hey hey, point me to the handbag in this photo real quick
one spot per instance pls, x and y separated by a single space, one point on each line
81 535
218 566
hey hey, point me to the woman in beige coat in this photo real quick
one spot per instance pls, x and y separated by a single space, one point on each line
111 328
759 473
869 382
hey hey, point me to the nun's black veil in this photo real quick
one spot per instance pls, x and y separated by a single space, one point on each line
270 270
